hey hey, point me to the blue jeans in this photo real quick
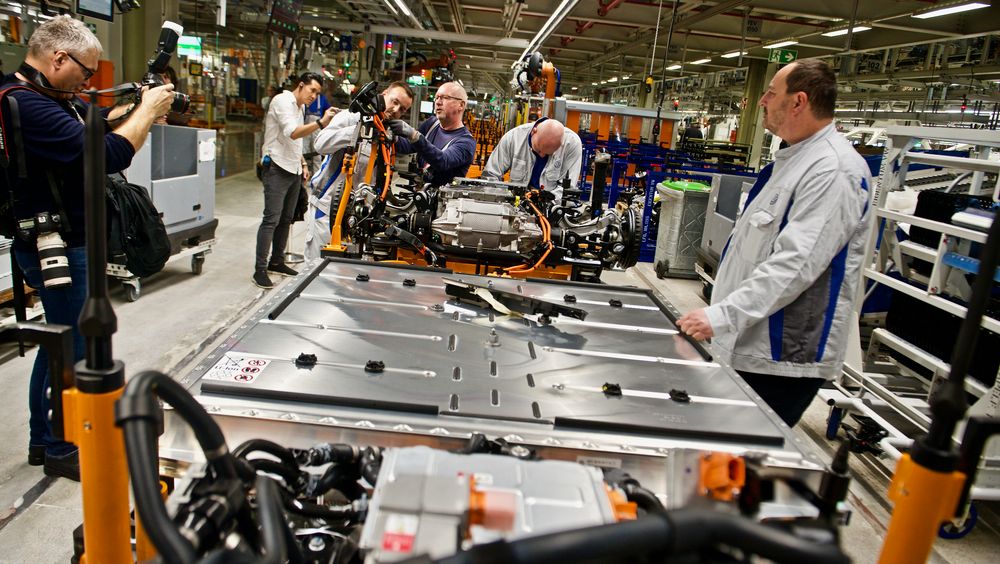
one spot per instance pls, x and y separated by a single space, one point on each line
62 306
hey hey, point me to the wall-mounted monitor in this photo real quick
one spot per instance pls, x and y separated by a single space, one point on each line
285 17
100 9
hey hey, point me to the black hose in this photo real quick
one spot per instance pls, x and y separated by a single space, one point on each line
140 450
271 521
644 498
139 415
264 445
683 531
292 476
330 513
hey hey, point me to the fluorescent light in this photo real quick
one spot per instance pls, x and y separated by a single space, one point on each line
626 76
951 10
673 67
593 84
857 29
701 61
467 66
388 3
781 44
613 79
734 54
557 17
403 7
604 82
574 88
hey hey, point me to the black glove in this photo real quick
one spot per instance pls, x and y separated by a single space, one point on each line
403 129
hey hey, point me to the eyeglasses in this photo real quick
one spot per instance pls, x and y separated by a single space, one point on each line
87 73
446 97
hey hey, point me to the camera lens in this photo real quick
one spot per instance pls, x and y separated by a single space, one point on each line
52 257
181 103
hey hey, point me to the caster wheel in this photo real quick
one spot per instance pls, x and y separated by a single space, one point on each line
951 531
132 290
197 264
661 269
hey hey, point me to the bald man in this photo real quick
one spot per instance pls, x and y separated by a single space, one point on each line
538 154
443 144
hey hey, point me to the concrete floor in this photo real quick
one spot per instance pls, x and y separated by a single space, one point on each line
180 315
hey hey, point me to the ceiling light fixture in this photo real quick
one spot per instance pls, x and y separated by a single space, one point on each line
857 29
781 44
613 79
388 3
674 67
403 7
936 12
734 54
701 61
554 20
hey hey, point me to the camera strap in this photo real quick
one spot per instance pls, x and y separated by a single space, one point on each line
14 143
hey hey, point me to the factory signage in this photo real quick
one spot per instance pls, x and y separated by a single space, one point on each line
782 56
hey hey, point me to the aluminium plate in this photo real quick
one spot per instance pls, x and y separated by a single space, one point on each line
446 360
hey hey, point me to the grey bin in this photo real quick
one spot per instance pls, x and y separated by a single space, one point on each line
682 220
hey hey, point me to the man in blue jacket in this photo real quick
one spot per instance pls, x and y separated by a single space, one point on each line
786 288
62 57
443 144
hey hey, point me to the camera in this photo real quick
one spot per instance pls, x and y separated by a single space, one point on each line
51 249
156 66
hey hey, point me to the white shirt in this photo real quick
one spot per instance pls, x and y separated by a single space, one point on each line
283 117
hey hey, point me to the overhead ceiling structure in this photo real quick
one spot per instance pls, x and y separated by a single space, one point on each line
592 40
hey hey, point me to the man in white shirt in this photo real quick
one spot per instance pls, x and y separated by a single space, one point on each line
284 170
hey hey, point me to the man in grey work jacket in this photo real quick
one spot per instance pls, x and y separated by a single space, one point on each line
539 154
786 286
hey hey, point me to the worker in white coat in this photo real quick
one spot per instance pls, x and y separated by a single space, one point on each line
787 282
327 184
540 154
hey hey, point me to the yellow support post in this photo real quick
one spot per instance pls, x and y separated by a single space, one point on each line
89 423
924 499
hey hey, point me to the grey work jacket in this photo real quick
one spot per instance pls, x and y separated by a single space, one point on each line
787 283
513 153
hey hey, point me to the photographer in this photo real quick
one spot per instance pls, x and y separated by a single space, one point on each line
49 204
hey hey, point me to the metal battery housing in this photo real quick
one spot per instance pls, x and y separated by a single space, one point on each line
421 501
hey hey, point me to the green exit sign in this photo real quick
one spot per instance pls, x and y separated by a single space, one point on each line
782 56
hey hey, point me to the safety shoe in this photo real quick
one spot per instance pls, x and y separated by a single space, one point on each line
36 455
67 466
261 280
282 269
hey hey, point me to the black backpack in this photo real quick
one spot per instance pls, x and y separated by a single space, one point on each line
137 237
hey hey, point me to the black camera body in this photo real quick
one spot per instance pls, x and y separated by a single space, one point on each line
181 103
170 33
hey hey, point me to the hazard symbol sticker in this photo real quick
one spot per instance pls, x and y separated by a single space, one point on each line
239 369
400 531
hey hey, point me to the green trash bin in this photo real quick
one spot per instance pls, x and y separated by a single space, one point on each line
682 220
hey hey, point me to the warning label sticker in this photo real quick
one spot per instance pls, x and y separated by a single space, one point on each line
239 369
400 532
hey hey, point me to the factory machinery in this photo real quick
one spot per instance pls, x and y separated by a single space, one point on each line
395 413
471 225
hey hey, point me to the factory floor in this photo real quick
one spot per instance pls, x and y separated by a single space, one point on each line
180 314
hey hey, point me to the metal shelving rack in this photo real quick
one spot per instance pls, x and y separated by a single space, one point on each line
866 389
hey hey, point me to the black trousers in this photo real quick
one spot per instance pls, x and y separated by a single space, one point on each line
787 396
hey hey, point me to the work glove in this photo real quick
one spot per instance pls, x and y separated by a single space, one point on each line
403 129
